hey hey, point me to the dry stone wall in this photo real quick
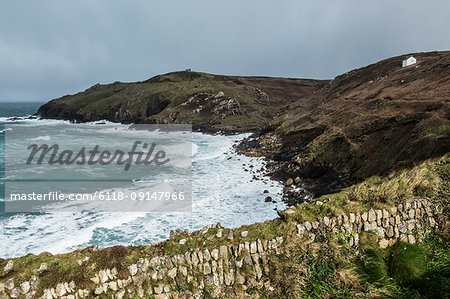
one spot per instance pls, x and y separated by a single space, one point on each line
406 222
214 270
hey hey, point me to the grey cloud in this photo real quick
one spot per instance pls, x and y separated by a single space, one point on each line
52 48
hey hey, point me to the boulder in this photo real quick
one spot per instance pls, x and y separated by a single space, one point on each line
113 285
372 216
61 290
172 273
206 255
229 278
308 225
25 287
223 251
352 217
215 254
219 94
206 269
364 216
230 235
9 266
183 270
9 284
384 243
289 182
158 289
133 269
95 279
15 293
103 276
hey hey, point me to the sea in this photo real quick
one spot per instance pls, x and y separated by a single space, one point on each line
226 188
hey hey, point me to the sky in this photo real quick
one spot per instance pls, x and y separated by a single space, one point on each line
52 48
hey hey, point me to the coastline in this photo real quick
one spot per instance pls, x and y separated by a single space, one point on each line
372 152
153 228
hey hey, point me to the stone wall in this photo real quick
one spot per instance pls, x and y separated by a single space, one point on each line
406 222
213 271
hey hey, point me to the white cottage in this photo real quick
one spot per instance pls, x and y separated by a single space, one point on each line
409 61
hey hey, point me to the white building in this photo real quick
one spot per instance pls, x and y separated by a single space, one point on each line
409 61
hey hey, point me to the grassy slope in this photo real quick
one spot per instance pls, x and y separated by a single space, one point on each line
336 269
404 270
158 100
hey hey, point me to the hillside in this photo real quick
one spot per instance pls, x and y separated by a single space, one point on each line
209 102
368 121
349 246
329 133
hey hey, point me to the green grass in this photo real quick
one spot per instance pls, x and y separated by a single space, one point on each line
208 289
130 101
429 179
407 263
372 264
407 270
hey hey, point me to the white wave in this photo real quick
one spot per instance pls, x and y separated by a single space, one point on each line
44 138
222 191
194 149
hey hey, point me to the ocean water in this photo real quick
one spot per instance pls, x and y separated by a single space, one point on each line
222 192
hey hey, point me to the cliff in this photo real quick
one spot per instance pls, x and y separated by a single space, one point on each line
329 133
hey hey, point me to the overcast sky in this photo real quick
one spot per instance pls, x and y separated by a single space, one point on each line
52 48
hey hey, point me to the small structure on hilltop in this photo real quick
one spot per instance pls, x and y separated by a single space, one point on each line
409 61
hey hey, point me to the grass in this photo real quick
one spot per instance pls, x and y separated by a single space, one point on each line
208 289
132 102
372 264
429 179
407 263
332 270
409 270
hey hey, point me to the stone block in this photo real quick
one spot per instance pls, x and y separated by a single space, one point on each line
372 216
